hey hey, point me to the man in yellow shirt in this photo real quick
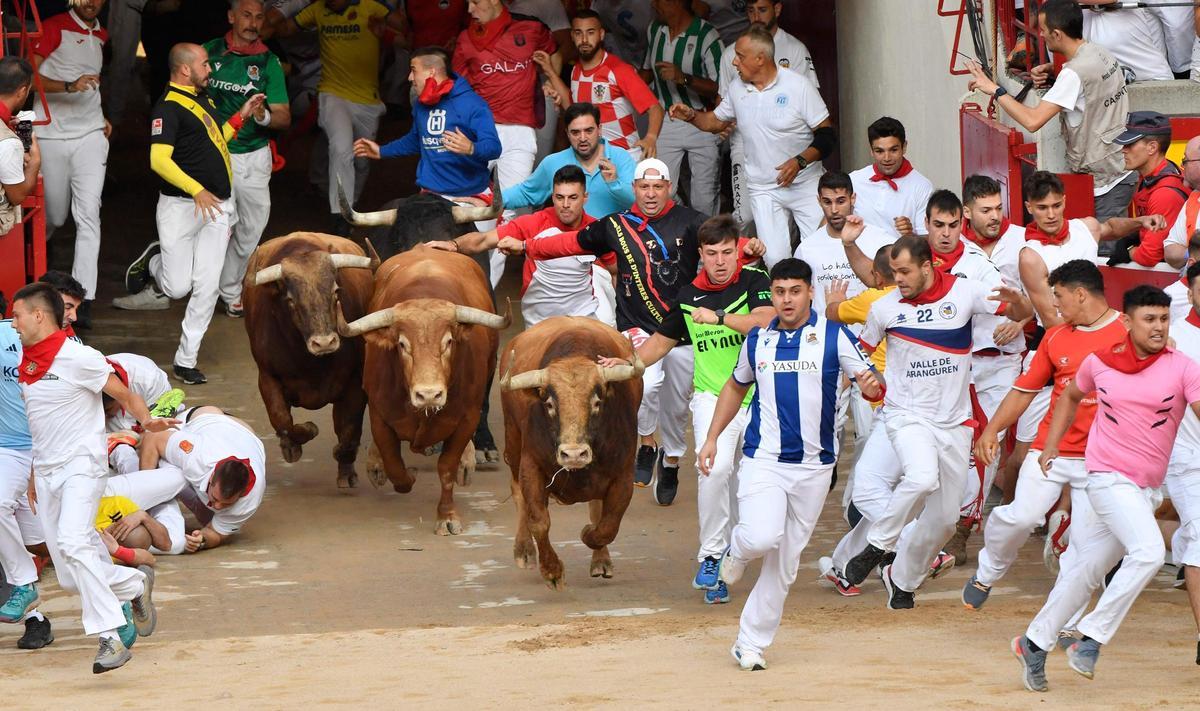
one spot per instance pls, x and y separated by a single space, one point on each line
129 532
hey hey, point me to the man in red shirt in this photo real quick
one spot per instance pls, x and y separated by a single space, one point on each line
1160 190
612 85
495 54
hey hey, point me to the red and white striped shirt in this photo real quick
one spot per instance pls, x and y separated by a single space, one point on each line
616 89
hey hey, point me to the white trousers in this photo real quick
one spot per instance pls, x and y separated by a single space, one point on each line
518 151
778 507
851 404
1009 526
124 459
1183 484
1122 528
741 201
774 207
154 491
252 208
14 482
73 179
344 122
993 377
679 138
934 460
193 254
666 394
606 295
876 474
67 500
715 493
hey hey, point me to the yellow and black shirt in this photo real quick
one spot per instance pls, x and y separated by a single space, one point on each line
188 144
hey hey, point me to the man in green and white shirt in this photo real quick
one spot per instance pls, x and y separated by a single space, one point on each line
682 66
243 66
713 313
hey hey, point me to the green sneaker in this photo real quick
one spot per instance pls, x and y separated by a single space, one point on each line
22 599
168 404
128 631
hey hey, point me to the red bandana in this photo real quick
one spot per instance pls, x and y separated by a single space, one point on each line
36 359
1034 234
433 91
5 115
637 212
246 50
935 291
904 169
969 232
1123 357
945 262
1193 318
703 283
482 36
250 481
69 329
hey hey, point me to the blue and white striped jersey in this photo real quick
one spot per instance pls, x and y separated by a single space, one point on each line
796 375
14 426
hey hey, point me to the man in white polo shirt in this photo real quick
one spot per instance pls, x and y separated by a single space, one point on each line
779 114
891 193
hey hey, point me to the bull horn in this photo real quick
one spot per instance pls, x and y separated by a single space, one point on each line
468 315
375 260
524 381
619 373
266 275
350 260
381 218
464 214
372 321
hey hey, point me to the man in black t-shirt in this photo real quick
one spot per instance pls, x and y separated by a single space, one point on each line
188 151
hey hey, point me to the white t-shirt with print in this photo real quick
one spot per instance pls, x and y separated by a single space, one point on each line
65 410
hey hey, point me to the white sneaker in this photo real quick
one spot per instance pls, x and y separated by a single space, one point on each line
731 569
747 660
147 299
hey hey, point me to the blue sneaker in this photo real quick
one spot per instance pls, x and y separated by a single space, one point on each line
128 631
22 599
718 596
1082 657
706 576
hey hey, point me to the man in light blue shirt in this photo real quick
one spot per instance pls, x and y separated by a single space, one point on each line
609 169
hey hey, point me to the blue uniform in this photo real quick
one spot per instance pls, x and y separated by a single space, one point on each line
14 426
604 198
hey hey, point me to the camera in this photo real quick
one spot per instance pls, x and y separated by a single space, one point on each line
24 129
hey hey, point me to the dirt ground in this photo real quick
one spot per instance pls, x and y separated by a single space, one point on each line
348 598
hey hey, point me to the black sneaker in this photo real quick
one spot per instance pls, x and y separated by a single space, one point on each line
643 472
190 376
137 276
37 634
233 310
860 565
83 316
897 599
667 484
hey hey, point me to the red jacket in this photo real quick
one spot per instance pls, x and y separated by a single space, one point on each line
1163 192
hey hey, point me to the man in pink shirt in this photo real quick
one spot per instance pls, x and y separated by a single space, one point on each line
1142 387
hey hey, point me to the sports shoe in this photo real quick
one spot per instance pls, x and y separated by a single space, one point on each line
844 588
137 276
37 634
21 599
145 617
897 599
859 567
957 545
706 576
942 562
1180 579
111 655
168 403
748 661
1065 639
233 310
148 299
718 596
128 631
731 569
1058 528
667 483
1082 657
190 376
1033 664
975 593
643 473
1198 653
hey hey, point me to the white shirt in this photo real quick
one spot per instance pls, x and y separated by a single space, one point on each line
66 414
1178 232
198 446
776 124
827 256
1134 38
975 265
880 205
929 348
1180 303
550 12
146 380
1006 254
1067 92
790 53
1080 244
74 49
1187 442
796 375
12 161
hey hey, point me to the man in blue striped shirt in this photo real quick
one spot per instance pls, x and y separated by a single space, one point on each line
789 448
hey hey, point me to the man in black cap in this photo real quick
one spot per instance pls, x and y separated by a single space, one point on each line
1160 191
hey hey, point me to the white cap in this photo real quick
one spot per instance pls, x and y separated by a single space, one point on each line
652 165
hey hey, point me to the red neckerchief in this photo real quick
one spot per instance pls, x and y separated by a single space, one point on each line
70 330
246 50
36 359
483 36
1033 233
122 374
1193 318
637 212
5 114
434 90
1123 357
904 169
969 232
945 262
703 283
250 481
935 291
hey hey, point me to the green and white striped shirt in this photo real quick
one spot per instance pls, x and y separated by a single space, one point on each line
697 51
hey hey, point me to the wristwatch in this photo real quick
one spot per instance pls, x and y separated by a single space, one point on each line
686 81
1000 91
720 316
802 161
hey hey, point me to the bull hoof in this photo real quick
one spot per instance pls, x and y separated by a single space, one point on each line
347 481
402 487
304 432
487 458
602 568
525 555
448 527
290 450
555 580
375 473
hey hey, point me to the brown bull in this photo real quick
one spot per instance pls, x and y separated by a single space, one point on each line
431 347
296 288
570 431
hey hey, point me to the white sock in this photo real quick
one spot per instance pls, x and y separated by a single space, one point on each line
110 634
35 614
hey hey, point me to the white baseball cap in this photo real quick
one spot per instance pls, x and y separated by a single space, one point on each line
652 165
